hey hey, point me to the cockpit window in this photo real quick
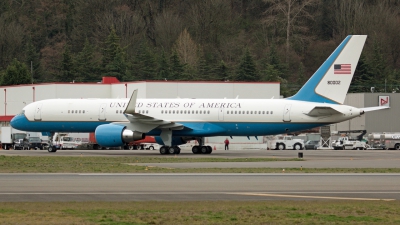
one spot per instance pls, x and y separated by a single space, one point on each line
22 112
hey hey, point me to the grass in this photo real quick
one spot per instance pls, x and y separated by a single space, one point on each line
202 212
84 164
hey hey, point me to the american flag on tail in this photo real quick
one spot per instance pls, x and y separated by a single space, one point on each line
342 69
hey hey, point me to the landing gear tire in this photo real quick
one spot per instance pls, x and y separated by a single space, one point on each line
172 150
164 150
195 149
209 150
151 148
203 149
281 147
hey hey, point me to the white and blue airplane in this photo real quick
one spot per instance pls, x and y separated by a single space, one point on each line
117 122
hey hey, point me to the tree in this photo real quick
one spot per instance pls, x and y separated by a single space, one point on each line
144 64
177 68
247 70
117 68
363 76
289 15
88 66
67 73
163 71
186 49
33 58
221 71
111 48
16 73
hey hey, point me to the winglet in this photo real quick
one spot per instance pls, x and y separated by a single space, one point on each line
130 109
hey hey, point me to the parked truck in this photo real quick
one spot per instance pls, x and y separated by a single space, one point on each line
288 142
10 136
374 141
390 140
345 143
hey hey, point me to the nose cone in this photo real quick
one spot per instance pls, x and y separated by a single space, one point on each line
19 122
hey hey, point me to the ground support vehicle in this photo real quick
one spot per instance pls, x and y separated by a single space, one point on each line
288 142
390 140
345 143
374 141
10 136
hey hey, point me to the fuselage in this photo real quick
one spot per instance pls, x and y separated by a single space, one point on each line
212 117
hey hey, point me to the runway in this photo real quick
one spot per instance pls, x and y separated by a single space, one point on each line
213 187
197 187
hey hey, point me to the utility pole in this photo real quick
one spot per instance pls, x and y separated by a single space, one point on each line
32 71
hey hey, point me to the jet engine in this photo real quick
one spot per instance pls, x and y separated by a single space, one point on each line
114 135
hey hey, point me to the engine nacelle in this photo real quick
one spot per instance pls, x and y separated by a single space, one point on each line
114 135
175 141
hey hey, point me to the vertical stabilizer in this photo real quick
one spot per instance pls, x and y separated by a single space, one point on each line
330 83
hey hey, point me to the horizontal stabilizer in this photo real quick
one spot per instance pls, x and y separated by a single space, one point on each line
369 109
323 111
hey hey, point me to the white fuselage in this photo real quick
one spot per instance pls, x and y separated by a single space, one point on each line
221 111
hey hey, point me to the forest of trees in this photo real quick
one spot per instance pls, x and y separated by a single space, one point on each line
213 40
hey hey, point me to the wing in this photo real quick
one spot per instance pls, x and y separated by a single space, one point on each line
143 123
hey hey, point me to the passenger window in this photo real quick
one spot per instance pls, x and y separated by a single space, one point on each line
83 111
227 112
68 111
251 112
80 111
116 111
267 112
239 112
272 112
200 111
72 111
208 111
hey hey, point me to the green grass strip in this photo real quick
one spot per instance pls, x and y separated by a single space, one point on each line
49 164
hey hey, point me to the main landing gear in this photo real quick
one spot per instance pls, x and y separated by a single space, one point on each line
170 150
201 149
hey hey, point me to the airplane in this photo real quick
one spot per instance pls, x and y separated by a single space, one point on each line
173 122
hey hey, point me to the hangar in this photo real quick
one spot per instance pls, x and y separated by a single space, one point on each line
375 121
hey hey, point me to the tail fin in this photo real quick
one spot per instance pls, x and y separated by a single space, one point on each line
330 83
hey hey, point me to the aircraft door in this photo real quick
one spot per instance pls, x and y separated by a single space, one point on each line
221 114
286 113
102 112
38 111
